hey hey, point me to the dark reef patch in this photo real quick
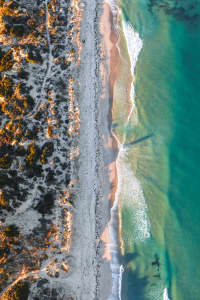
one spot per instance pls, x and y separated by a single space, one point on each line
184 10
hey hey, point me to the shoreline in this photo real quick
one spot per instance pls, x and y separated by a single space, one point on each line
96 237
122 57
112 38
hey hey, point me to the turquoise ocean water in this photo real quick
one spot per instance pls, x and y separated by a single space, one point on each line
166 165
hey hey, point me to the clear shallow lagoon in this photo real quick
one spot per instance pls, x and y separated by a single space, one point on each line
162 194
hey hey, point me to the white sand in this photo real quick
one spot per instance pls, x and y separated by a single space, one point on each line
91 276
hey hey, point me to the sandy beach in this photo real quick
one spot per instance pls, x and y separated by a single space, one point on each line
95 232
68 178
91 277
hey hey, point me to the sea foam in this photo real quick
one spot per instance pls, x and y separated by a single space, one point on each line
129 189
130 194
129 185
165 295
132 198
134 45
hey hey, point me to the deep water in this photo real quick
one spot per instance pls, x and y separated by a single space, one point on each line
167 163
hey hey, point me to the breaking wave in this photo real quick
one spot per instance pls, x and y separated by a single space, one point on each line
165 295
129 190
134 44
132 198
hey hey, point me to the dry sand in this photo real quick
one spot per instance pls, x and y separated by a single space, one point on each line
91 276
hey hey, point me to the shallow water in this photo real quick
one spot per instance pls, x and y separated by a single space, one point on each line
160 194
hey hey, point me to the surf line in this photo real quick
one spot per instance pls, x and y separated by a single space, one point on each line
114 223
134 45
165 295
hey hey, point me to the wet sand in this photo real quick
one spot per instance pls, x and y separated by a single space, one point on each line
119 79
119 90
109 70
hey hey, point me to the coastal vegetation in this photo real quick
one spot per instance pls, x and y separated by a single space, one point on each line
36 137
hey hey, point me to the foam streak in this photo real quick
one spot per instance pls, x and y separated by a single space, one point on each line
129 188
165 295
134 44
